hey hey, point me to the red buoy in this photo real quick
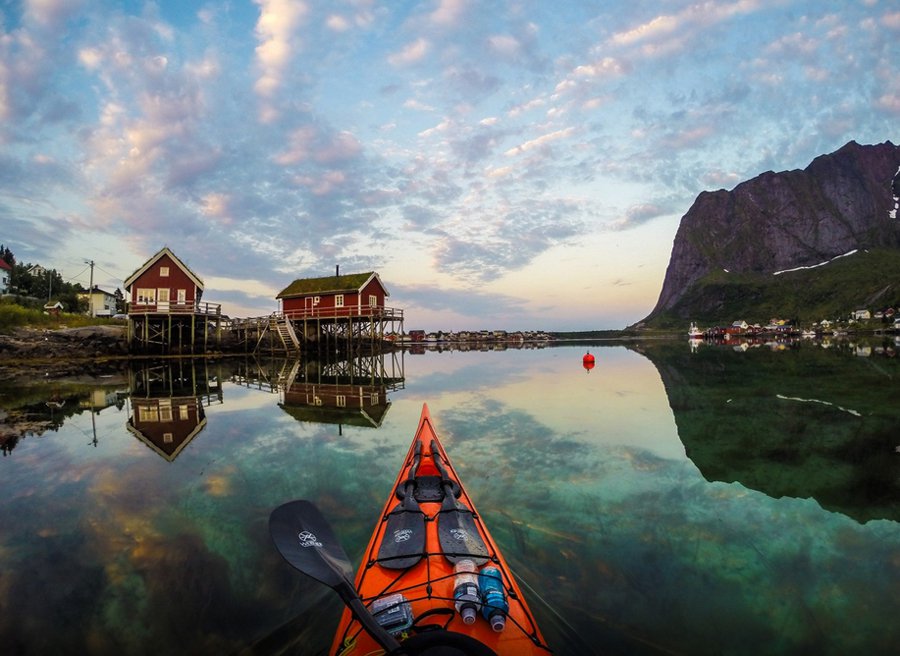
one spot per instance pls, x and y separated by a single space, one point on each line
588 361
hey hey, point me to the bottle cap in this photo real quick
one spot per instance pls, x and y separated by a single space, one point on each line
468 614
498 621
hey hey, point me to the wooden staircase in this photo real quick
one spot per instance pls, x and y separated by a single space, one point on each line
282 327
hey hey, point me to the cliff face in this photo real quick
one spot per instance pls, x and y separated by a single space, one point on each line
843 201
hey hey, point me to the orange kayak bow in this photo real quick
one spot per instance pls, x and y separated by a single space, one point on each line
432 575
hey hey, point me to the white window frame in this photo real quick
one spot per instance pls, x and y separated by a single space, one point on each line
373 300
146 296
162 295
163 272
148 414
339 301
341 401
182 296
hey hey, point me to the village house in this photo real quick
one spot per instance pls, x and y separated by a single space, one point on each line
351 295
163 284
164 309
5 273
862 314
739 327
100 303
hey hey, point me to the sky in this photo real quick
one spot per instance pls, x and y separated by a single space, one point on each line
518 165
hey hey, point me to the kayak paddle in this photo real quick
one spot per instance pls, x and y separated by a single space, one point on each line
457 530
404 535
306 541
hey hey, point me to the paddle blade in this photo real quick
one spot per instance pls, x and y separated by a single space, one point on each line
304 538
403 543
459 535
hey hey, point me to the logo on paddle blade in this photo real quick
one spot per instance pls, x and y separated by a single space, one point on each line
459 534
308 539
402 535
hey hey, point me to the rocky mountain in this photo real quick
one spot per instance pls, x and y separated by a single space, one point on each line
841 202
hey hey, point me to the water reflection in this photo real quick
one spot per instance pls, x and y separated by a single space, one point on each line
819 424
625 545
167 402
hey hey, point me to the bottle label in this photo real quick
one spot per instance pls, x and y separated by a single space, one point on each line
466 590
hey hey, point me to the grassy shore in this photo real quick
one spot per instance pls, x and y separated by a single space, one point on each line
14 316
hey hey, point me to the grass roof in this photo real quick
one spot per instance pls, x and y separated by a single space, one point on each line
327 285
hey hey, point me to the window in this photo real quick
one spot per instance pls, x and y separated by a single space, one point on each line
163 272
146 296
339 300
341 401
165 410
163 295
373 300
375 398
167 438
316 300
148 413
183 412
182 296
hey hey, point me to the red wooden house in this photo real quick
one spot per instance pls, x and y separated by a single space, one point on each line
164 284
351 295
167 425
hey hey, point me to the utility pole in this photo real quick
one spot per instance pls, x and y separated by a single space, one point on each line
91 288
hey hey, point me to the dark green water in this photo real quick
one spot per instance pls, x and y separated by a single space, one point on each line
140 527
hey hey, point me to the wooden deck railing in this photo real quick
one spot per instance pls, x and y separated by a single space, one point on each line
344 313
211 309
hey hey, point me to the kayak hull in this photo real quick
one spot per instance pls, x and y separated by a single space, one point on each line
424 573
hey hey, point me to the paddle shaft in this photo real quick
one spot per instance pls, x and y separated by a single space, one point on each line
350 597
445 479
306 541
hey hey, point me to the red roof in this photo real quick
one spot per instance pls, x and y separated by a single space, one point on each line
5 265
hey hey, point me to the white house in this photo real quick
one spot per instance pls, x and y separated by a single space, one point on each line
100 303
862 314
5 273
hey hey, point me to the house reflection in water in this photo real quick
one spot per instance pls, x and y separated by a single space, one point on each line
167 402
348 392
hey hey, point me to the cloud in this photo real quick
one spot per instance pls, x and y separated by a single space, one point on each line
638 215
51 15
337 23
668 34
448 13
412 53
275 33
504 44
540 141
891 21
471 301
516 235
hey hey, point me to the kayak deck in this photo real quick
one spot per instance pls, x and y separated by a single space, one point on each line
428 523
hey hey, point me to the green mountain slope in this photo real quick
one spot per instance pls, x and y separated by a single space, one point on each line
866 279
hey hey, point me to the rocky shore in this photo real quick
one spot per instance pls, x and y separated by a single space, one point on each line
67 352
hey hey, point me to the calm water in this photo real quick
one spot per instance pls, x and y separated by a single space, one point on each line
667 502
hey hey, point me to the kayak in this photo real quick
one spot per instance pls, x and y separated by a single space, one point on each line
432 575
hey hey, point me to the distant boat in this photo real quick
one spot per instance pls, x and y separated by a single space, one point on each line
694 332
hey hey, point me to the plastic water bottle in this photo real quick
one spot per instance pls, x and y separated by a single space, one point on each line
493 597
465 590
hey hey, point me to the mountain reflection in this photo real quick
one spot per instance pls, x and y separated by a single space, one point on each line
802 422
